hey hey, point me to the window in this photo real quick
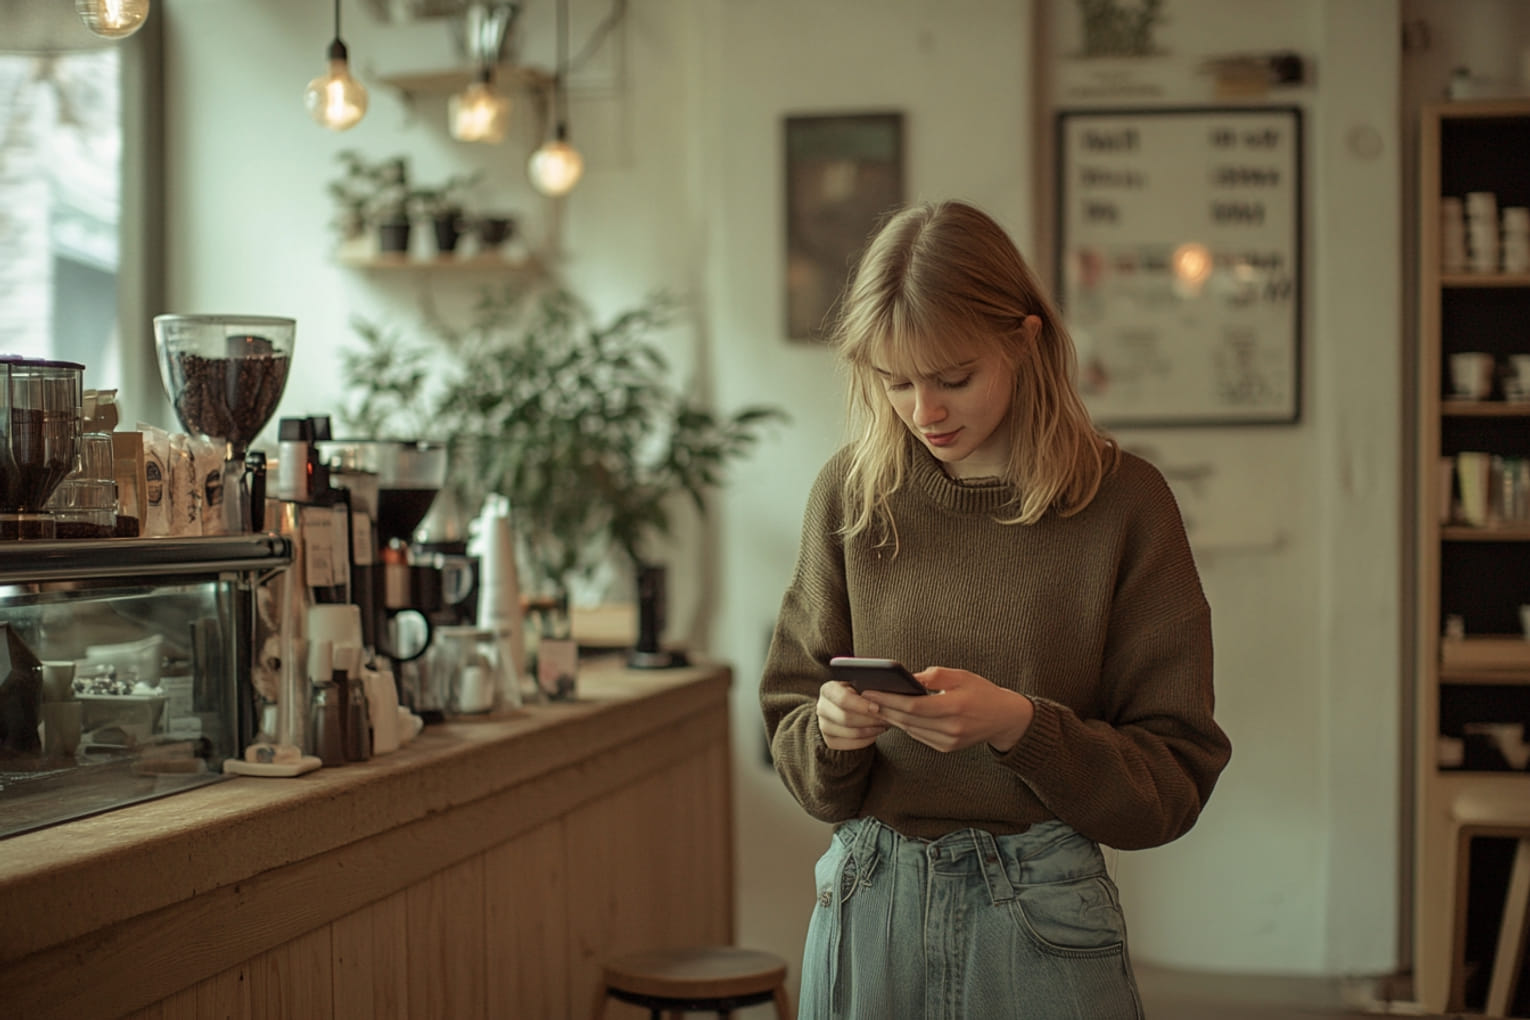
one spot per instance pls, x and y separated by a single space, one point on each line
81 208
60 207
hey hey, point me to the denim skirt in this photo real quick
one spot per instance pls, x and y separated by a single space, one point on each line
970 926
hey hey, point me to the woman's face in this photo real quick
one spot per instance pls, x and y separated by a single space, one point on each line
958 413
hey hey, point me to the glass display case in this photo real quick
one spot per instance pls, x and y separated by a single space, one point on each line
124 669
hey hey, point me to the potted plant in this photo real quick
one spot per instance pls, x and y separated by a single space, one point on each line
350 193
442 206
389 206
372 195
493 230
577 423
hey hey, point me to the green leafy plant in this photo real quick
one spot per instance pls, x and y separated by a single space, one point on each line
443 200
391 382
577 423
369 193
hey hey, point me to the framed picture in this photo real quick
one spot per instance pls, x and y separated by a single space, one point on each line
1179 262
843 174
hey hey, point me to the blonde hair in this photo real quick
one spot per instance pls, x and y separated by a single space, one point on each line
938 284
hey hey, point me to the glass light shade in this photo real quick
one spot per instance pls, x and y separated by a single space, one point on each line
555 168
479 114
112 19
336 100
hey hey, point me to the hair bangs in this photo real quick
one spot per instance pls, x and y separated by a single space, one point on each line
915 339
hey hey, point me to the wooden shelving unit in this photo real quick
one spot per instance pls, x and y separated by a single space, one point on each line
1479 573
480 263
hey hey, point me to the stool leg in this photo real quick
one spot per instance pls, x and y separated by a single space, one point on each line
783 1005
1458 866
601 998
1511 934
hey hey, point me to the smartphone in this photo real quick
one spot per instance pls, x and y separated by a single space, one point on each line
875 675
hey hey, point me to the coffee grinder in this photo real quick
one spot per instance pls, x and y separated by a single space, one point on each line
408 475
40 423
224 375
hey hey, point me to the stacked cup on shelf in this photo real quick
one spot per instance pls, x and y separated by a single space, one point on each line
1452 235
1516 239
1482 232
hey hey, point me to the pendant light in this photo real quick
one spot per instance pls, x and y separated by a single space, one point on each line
479 113
112 19
334 99
557 166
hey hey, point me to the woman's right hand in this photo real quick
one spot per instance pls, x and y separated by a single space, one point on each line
847 721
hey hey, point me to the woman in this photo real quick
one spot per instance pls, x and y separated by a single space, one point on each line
979 529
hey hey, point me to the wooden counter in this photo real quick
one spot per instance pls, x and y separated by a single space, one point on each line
481 871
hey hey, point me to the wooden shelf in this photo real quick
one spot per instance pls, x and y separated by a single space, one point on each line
1488 653
1486 533
450 263
1484 677
1485 408
1485 279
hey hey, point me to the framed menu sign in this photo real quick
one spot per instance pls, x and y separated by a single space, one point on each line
1179 262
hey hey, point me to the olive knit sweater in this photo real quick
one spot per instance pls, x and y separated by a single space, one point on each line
1099 618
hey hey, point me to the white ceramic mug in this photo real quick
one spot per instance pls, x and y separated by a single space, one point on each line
1471 375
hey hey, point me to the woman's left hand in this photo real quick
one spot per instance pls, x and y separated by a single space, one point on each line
963 709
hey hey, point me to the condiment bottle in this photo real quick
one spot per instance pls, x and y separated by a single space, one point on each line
357 727
327 720
328 744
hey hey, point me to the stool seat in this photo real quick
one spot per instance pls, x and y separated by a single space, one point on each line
719 978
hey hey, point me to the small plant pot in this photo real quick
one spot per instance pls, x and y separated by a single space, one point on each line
393 238
352 225
494 231
448 231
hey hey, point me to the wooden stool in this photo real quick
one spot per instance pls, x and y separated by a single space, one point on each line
1481 817
720 978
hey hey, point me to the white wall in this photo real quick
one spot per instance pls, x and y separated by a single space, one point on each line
1294 867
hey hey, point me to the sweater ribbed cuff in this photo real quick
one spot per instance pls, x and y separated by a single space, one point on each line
840 763
1041 742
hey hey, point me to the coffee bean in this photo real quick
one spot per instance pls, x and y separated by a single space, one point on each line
227 398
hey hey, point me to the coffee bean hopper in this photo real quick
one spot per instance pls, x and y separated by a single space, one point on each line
40 406
225 375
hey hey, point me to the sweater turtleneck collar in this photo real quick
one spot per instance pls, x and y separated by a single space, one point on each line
977 497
